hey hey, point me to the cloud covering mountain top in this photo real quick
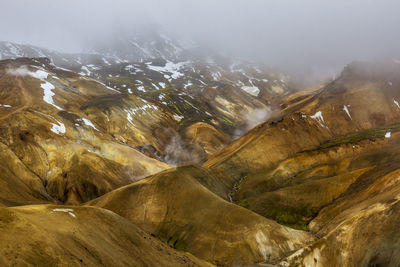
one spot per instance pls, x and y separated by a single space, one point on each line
302 35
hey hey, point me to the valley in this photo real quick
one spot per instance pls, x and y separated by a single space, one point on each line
149 155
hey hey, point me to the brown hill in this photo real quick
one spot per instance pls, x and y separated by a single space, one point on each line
328 163
359 229
356 101
60 151
176 206
48 235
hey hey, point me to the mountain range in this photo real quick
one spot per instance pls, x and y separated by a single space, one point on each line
147 152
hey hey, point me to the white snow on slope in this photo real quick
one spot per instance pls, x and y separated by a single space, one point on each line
23 71
318 117
48 94
41 75
60 128
178 118
253 90
14 50
141 88
106 61
347 111
89 123
170 67
88 72
216 76
108 87
155 86
69 211
138 111
396 103
129 117
388 134
189 83
5 105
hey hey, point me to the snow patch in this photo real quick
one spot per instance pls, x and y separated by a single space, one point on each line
138 111
396 103
41 75
253 90
23 71
108 87
5 105
89 123
129 117
14 49
216 76
178 117
85 68
48 94
106 61
155 86
388 134
141 88
188 84
69 211
170 67
318 117
60 128
347 111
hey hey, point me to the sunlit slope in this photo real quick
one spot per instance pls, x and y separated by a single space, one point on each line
49 235
177 207
295 190
63 152
360 228
364 96
330 166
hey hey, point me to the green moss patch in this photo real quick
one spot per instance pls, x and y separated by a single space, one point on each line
374 133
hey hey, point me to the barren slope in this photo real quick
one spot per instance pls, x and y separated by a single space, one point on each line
49 235
177 207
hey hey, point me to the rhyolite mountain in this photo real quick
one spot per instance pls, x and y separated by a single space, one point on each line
218 91
144 151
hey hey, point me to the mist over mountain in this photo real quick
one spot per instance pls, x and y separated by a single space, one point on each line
316 38
199 133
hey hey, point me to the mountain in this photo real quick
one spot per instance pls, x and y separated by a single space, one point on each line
49 235
177 206
54 134
328 164
230 96
355 101
143 151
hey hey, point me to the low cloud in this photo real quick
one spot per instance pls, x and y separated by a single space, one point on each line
21 71
178 152
313 37
252 119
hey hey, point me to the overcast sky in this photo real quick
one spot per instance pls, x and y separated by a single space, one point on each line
286 33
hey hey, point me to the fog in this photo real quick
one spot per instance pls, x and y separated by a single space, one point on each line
316 36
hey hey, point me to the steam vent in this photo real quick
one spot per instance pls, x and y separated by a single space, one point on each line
199 133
